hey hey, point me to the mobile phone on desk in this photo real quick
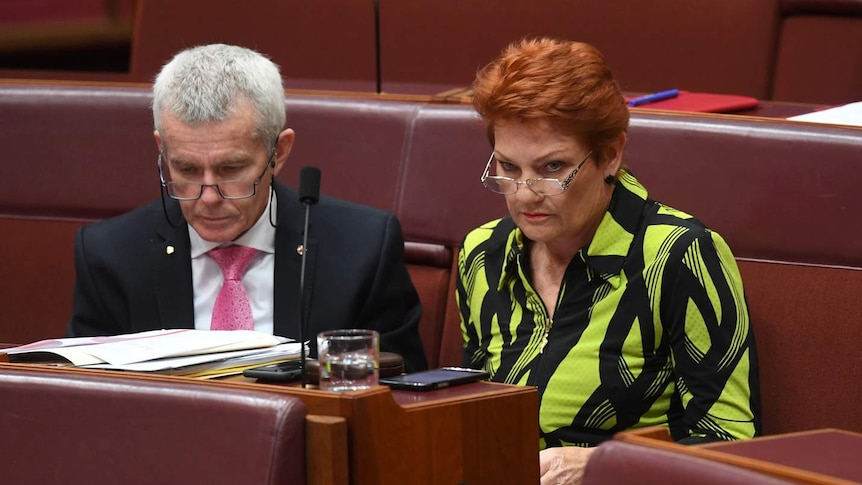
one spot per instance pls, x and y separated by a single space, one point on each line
287 371
434 379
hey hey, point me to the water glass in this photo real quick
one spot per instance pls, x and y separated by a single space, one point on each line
348 358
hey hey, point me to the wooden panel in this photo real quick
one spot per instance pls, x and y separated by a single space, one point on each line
326 450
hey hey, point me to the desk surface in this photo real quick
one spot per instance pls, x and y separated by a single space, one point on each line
830 452
764 108
822 456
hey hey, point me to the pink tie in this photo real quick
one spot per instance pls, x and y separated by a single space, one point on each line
232 310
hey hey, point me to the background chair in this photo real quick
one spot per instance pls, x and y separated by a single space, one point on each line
67 426
318 45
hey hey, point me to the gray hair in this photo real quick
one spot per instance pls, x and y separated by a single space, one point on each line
206 83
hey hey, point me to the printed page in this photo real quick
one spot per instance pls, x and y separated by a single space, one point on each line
181 343
144 346
193 363
72 349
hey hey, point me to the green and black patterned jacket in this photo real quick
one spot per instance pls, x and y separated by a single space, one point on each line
651 326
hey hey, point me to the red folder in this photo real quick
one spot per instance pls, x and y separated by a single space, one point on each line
703 103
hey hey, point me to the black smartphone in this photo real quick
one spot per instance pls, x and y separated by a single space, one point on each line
281 372
434 379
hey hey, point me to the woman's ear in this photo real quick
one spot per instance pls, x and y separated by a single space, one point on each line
614 155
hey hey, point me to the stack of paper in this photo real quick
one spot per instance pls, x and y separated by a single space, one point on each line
196 353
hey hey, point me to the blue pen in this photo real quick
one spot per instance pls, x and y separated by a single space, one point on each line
654 97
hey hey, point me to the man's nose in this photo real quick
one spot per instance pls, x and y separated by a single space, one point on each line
210 193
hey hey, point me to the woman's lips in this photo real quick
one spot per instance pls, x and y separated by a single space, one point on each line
534 216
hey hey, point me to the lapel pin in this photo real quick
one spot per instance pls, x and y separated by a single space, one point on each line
169 250
300 249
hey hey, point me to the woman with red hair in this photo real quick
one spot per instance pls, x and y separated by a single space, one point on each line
623 312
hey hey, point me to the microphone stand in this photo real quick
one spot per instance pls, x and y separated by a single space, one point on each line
302 371
309 193
377 46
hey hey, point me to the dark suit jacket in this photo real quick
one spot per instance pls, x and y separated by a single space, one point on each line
126 280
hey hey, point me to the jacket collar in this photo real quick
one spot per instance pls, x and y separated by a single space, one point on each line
607 251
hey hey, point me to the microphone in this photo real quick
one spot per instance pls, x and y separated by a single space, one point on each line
309 193
309 186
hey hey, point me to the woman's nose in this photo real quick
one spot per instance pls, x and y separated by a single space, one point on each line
524 192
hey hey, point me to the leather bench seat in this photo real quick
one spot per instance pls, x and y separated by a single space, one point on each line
106 428
782 194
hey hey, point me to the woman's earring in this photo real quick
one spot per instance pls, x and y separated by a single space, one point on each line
609 179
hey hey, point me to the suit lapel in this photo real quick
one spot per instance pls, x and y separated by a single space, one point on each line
288 264
170 253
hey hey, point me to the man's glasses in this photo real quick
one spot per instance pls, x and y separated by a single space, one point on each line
541 186
228 189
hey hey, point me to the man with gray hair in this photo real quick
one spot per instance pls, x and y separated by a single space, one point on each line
222 248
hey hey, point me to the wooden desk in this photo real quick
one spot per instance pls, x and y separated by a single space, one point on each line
823 456
475 434
829 453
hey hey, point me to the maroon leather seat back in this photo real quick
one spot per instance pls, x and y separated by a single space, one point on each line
430 268
37 276
819 56
318 45
806 321
711 46
782 196
787 50
73 154
441 199
106 428
617 462
357 143
775 190
76 151
89 152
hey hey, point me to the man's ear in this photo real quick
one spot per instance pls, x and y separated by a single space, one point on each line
158 140
282 149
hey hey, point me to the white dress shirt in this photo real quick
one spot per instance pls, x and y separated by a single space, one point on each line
207 277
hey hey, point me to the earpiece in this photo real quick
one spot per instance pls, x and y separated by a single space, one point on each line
610 179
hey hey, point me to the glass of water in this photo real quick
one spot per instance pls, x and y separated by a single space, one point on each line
348 359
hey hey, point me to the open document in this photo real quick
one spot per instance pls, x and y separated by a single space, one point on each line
199 353
848 114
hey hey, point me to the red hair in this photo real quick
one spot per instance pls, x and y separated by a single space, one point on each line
566 84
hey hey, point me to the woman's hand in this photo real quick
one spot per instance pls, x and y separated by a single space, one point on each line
563 466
